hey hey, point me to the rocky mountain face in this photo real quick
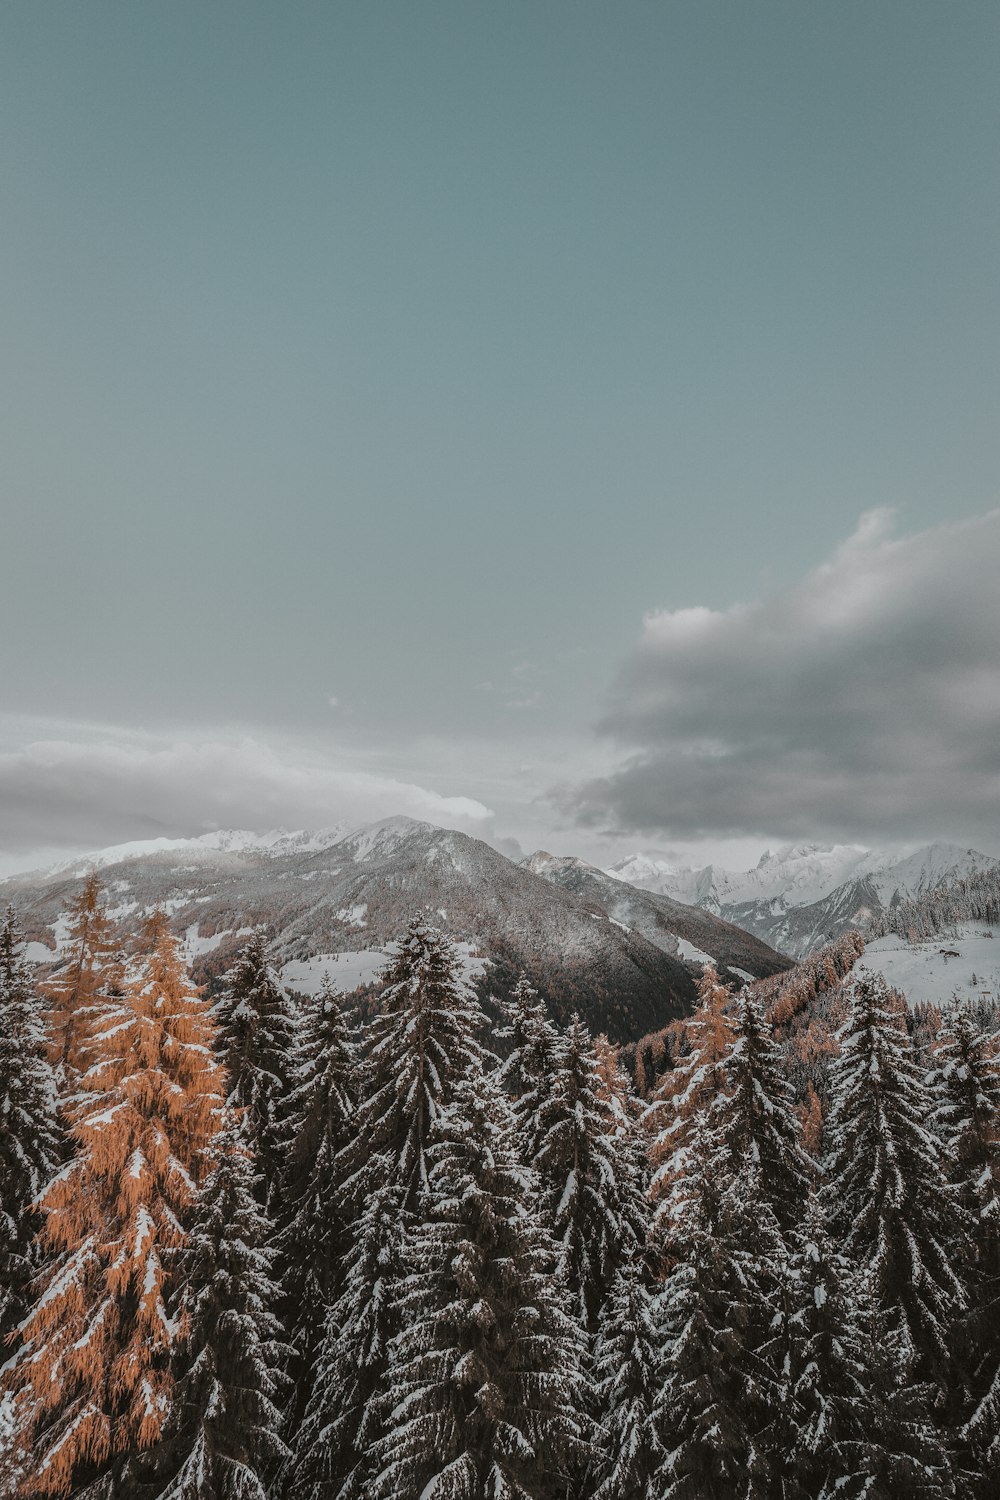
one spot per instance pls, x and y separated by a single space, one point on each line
804 896
334 901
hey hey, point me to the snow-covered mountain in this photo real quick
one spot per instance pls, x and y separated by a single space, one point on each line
801 896
334 900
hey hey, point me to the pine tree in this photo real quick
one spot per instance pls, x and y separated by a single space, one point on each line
78 984
592 1174
756 1113
221 1439
528 1069
889 1204
966 1087
420 1044
257 1040
92 1374
827 1411
485 1392
29 1138
314 1236
627 1374
721 1403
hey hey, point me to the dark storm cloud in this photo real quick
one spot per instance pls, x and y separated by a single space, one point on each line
863 701
89 790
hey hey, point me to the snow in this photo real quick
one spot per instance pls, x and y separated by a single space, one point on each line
354 916
194 944
924 971
692 955
350 969
37 953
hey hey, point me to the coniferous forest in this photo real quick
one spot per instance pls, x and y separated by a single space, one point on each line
436 1247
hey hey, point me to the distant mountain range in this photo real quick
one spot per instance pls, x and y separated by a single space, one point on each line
334 899
803 896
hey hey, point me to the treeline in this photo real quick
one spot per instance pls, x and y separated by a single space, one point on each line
937 913
255 1253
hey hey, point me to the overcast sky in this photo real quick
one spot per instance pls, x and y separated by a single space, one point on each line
571 422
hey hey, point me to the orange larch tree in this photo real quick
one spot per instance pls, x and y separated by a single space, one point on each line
92 1375
80 983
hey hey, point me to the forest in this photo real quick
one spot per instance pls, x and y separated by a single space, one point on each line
255 1246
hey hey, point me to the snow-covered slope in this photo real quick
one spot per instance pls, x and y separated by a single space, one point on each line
965 965
350 894
691 933
802 896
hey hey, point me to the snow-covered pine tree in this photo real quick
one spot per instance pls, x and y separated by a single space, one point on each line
485 1394
527 1070
828 1409
627 1374
888 1202
314 1232
418 1047
257 1041
965 1085
29 1137
221 1440
79 982
592 1171
756 1113
720 1407
92 1374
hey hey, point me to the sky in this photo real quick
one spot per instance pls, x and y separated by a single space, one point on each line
573 423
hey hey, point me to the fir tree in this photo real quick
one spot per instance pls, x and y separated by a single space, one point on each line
221 1440
29 1139
591 1171
314 1236
827 1413
627 1374
889 1203
756 1113
529 1067
92 1375
966 1087
419 1046
721 1403
485 1396
257 1040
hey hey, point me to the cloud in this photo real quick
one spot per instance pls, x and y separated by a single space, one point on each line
99 788
861 702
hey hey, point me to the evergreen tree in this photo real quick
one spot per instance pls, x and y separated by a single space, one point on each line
92 1374
485 1395
528 1069
314 1236
420 1044
827 1411
965 1085
888 1201
221 1440
592 1174
627 1374
720 1407
257 1040
756 1113
29 1139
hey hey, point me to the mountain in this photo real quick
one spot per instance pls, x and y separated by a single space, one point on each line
803 896
333 901
688 932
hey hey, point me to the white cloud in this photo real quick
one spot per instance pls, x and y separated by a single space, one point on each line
862 701
94 787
